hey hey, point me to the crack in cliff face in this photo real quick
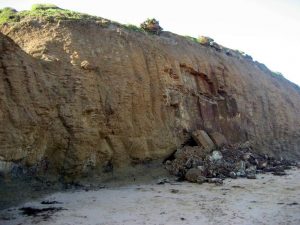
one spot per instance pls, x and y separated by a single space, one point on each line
71 165
7 83
203 84
198 101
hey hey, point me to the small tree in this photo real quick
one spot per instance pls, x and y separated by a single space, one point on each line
151 26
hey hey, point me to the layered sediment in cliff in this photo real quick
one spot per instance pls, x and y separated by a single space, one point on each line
78 96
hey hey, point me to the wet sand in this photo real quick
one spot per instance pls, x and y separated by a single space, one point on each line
267 200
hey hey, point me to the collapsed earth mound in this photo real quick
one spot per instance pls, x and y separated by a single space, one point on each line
195 164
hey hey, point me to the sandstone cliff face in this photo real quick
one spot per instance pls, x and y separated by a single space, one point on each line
77 96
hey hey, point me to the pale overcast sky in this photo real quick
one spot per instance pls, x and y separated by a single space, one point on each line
268 30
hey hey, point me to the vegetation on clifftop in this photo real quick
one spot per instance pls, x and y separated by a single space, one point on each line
52 12
133 27
44 7
9 15
151 26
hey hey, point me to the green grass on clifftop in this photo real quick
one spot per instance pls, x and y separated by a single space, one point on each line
43 6
52 12
9 15
133 27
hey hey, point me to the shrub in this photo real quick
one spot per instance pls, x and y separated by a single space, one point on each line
205 40
278 74
7 14
191 39
44 7
151 26
240 52
133 27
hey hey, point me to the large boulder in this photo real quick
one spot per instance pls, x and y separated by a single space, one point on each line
218 139
202 139
195 175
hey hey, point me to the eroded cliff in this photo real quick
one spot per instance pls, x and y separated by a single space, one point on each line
81 95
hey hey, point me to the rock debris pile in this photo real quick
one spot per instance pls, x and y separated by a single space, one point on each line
197 165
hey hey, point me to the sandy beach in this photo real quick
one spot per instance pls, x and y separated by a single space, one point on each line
267 200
